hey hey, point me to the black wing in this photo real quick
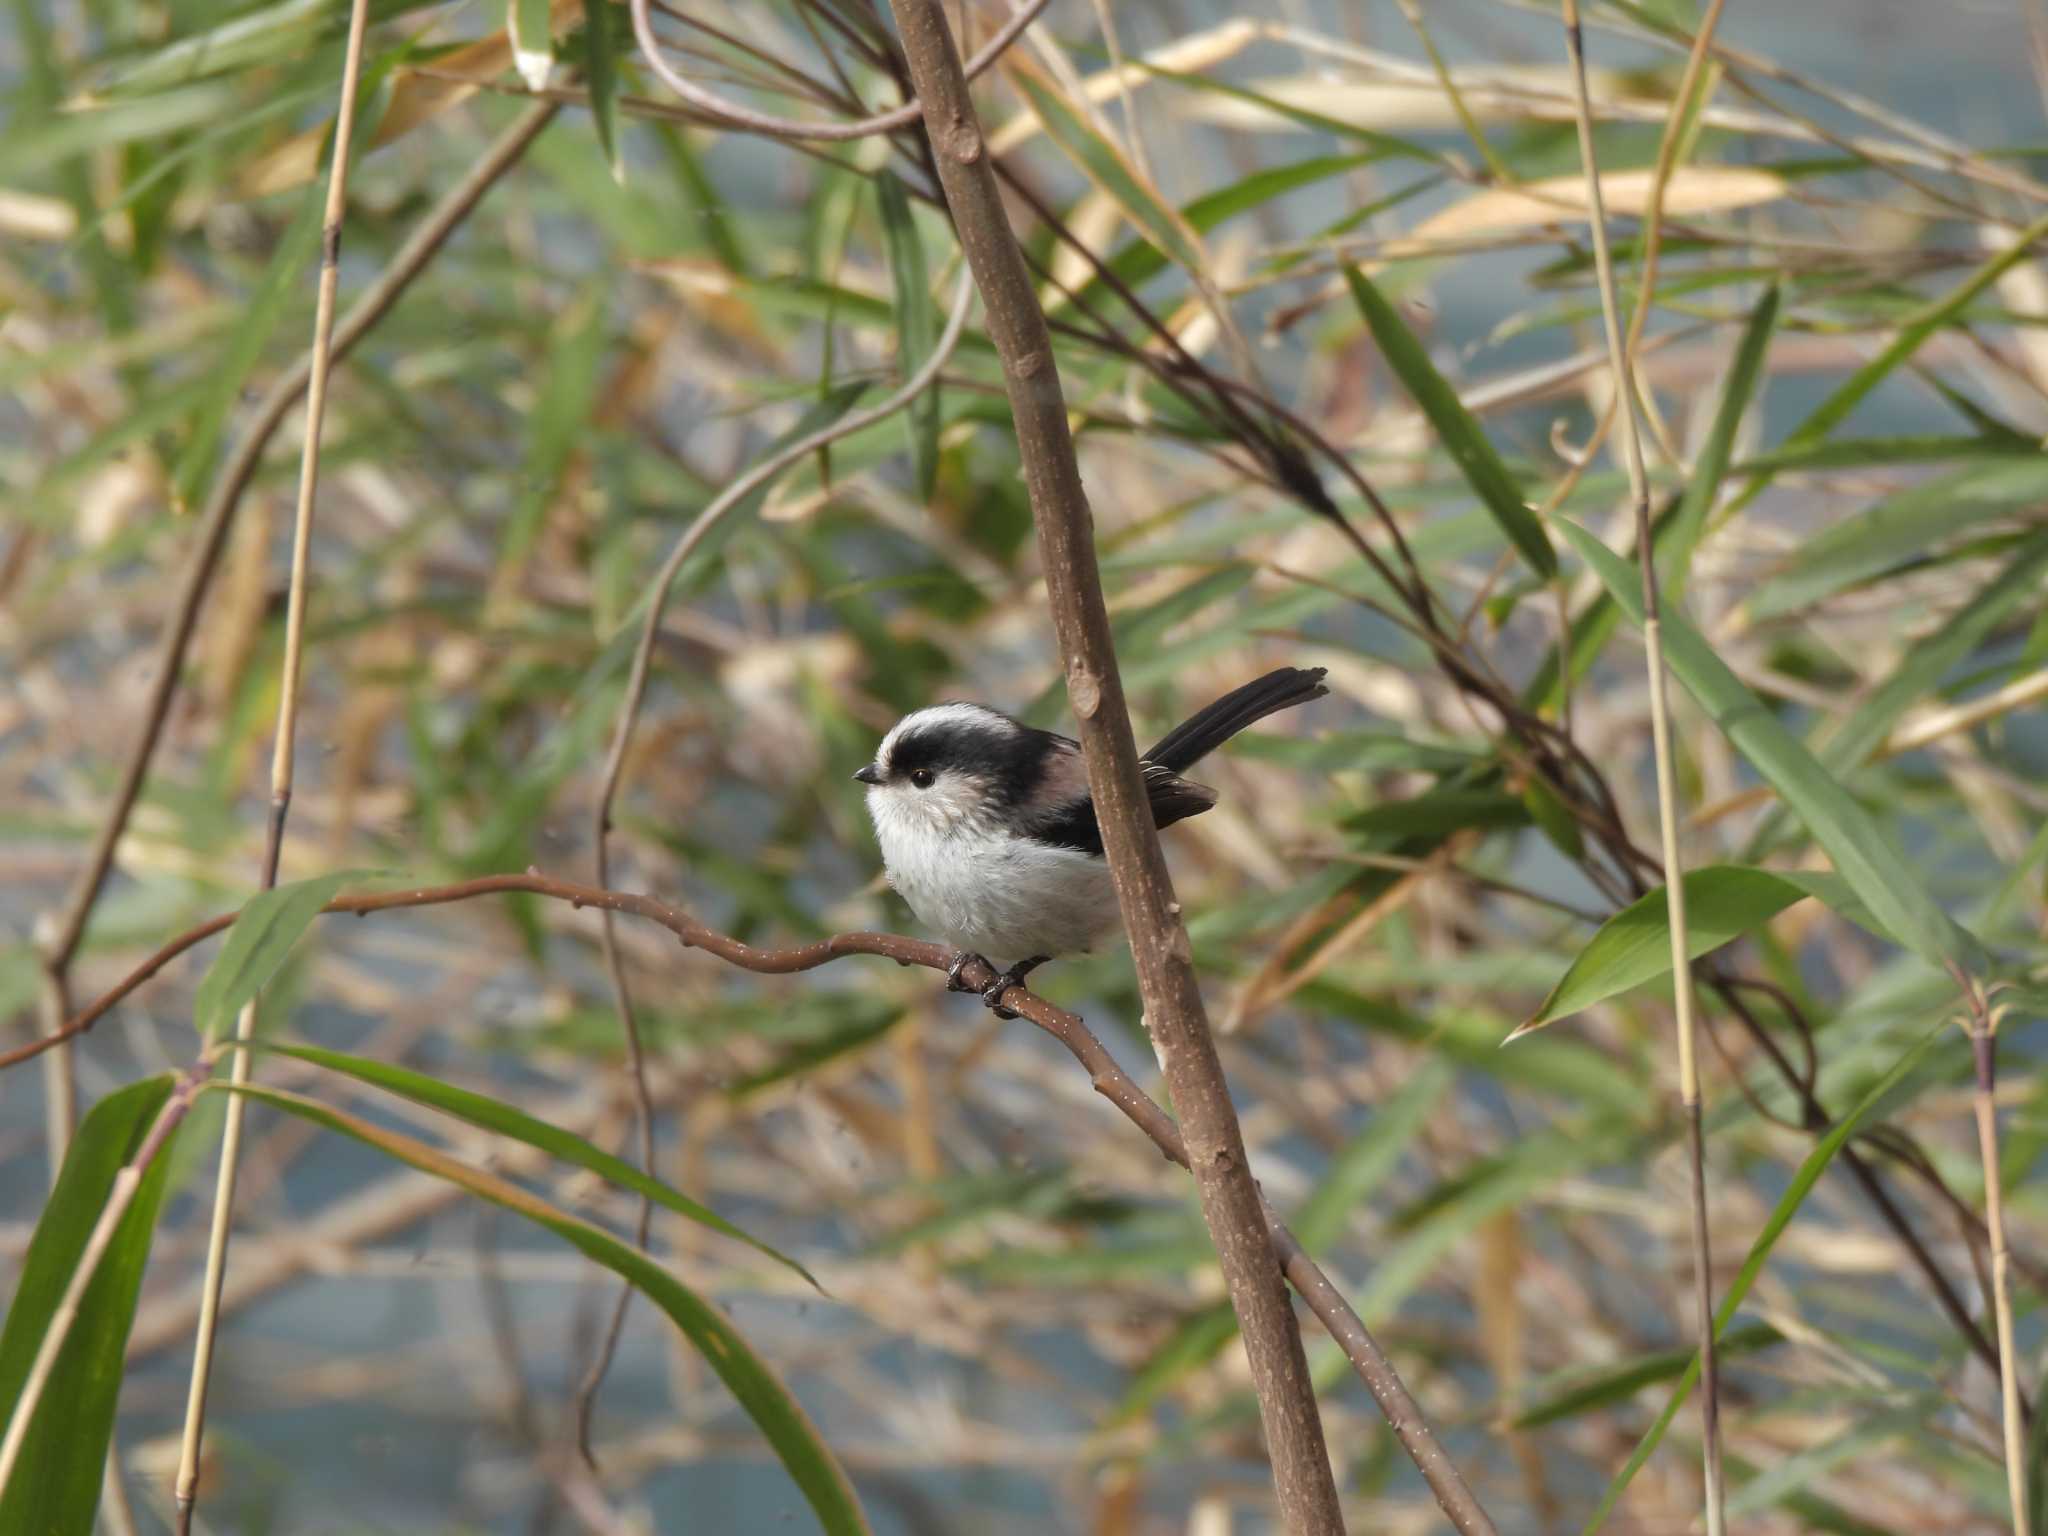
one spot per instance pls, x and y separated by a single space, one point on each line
1173 798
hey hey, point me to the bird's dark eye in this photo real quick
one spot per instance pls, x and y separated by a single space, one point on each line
923 778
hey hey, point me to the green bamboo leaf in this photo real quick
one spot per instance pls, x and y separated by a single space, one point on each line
559 425
1899 529
1618 1383
1365 1161
1103 163
1200 1338
263 935
529 25
1439 812
1457 1208
1781 1216
1573 1071
1140 261
1878 873
493 1115
1722 902
229 374
56 1487
1912 334
272 34
1932 659
1831 412
867 1025
767 1401
1455 426
601 78
1674 557
1862 452
1385 144
916 327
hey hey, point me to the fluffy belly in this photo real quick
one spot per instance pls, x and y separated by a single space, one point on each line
1004 898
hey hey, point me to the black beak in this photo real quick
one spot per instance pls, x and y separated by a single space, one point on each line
869 775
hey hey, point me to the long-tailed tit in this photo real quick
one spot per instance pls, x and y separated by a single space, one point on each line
988 831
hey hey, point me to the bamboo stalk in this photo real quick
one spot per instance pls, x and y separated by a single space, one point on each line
283 752
1667 793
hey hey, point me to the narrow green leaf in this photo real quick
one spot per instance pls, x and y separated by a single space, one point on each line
601 78
1365 1161
56 1487
1831 412
1456 1209
1140 261
1674 557
1200 1338
767 1401
1910 337
1932 659
558 426
1795 1194
1863 855
916 326
256 946
1619 1383
863 1029
1722 902
1906 448
493 1115
229 374
1458 429
533 40
1898 530
1439 812
1103 163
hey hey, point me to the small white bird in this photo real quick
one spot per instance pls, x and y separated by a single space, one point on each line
988 831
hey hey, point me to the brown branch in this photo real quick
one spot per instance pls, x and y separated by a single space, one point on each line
1108 1078
1230 1200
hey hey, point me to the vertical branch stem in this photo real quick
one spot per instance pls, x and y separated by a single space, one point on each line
1166 980
283 751
1984 1045
1667 788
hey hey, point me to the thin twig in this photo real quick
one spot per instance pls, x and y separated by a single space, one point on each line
284 748
735 116
67 929
1315 1287
1667 792
622 741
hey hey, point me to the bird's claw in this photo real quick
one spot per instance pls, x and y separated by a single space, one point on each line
992 994
961 961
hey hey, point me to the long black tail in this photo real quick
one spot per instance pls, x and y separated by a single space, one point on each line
1194 739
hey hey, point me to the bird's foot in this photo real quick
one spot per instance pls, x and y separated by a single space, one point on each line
992 994
961 961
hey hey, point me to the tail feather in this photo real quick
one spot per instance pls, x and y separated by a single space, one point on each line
1207 729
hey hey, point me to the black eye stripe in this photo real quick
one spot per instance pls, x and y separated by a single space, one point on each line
1002 755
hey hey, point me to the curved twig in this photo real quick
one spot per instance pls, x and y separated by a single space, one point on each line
615 763
735 116
1070 1030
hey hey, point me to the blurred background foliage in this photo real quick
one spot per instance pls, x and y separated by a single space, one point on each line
1019 1329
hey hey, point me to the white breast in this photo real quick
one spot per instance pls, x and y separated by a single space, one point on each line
1002 897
